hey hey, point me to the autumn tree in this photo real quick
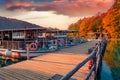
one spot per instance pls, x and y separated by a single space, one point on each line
108 22
111 22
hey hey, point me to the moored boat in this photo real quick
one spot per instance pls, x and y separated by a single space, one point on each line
39 40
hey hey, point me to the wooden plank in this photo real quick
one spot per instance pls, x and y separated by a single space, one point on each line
45 66
27 75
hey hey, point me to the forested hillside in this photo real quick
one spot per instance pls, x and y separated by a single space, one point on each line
108 22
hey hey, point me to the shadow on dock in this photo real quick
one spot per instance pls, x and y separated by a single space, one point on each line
22 74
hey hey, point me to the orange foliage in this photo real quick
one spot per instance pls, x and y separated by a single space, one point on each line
107 22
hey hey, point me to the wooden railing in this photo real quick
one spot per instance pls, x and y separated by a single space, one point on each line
96 55
12 44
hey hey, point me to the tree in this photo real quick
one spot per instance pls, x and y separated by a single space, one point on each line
111 22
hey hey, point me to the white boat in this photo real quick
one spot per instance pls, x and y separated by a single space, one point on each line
39 41
22 54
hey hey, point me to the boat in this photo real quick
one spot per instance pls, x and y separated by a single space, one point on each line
16 42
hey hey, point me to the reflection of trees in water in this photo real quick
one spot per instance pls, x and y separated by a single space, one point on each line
2 63
112 58
5 62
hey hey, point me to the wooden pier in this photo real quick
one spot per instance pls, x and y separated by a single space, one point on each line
50 65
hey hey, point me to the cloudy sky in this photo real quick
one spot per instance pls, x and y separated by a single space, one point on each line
52 13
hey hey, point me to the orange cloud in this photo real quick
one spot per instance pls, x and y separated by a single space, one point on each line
65 7
17 4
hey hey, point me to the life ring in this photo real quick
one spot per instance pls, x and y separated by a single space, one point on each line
33 46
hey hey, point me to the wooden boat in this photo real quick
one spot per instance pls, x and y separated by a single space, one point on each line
21 54
39 40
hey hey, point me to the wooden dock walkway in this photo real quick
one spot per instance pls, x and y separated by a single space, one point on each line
46 66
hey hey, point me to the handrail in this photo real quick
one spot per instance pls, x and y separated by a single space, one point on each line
95 54
67 76
89 74
11 44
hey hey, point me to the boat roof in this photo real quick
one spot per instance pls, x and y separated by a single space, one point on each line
40 29
57 30
7 24
23 29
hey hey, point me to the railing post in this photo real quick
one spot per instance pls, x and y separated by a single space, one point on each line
99 65
7 44
96 61
27 51
100 55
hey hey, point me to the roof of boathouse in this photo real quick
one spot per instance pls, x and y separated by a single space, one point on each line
7 24
19 28
35 28
54 30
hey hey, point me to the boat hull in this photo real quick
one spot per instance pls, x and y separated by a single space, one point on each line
22 54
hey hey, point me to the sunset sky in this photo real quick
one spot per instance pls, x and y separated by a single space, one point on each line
52 13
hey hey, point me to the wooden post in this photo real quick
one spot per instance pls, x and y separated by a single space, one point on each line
43 46
18 43
7 45
66 42
2 38
12 39
56 43
101 54
27 51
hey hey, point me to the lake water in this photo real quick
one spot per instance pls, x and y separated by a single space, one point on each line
5 62
112 58
2 62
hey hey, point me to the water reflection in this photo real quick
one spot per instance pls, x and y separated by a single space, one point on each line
112 58
2 62
6 62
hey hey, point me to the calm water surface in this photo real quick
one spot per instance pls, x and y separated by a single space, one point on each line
112 58
4 62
